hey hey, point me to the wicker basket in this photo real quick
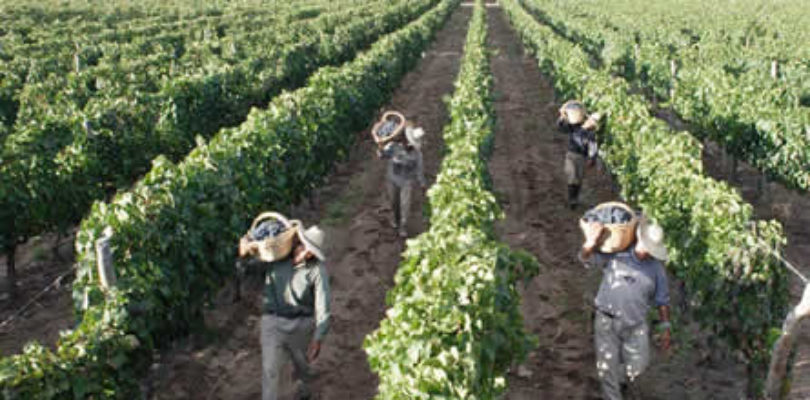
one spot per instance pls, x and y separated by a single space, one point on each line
278 247
619 236
390 115
564 112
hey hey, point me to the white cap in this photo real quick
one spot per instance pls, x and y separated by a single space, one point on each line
313 240
651 240
415 136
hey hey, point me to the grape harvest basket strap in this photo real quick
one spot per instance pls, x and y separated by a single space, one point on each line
275 248
397 117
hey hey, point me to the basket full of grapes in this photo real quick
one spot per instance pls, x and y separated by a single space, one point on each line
620 222
388 128
270 237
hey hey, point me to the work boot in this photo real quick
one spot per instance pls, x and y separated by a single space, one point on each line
573 196
631 391
302 391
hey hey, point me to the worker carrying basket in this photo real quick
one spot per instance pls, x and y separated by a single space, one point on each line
630 252
296 299
405 164
583 148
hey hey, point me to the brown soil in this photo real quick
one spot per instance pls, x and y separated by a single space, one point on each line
772 200
42 305
528 178
364 252
526 167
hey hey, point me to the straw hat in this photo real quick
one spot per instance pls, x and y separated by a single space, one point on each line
651 239
415 136
573 111
313 240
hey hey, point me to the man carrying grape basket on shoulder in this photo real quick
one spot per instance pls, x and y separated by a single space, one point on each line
632 281
405 167
296 308
582 145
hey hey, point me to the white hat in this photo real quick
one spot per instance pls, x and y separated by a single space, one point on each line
414 136
651 239
313 240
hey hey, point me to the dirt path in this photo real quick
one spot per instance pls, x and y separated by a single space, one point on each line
526 167
43 305
363 256
790 208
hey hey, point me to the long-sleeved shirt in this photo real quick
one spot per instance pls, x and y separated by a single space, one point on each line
580 140
629 285
404 165
297 291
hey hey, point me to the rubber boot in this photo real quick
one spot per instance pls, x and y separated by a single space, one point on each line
573 196
631 391
302 391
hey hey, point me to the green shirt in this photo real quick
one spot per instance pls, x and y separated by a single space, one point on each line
298 291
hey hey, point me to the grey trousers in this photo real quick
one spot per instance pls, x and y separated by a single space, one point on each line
282 340
622 353
574 168
399 192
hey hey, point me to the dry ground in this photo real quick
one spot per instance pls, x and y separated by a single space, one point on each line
526 167
43 303
363 251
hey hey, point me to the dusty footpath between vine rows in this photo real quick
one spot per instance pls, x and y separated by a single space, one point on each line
526 168
363 251
43 304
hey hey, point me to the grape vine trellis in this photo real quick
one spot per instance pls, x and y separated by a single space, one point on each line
53 166
454 324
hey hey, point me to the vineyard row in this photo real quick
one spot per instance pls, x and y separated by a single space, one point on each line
757 118
453 326
49 187
724 257
173 233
